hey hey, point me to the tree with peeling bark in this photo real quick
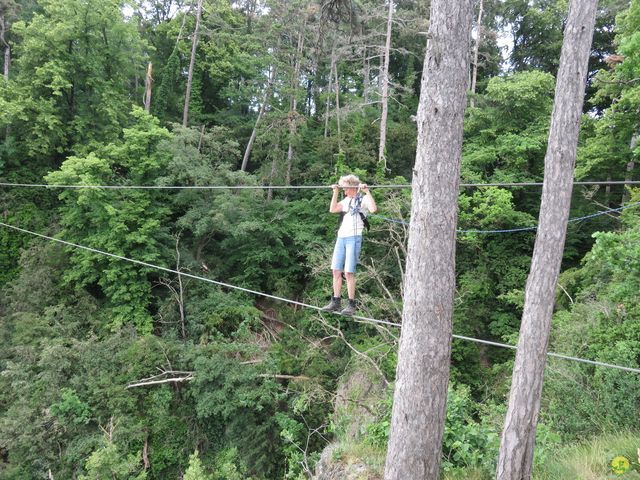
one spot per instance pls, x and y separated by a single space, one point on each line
518 436
422 375
384 87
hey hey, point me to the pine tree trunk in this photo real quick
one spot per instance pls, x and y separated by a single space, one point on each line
476 53
192 62
385 90
254 132
518 436
422 375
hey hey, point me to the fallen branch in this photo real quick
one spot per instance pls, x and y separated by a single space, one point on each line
165 380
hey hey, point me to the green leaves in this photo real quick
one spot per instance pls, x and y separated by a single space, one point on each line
127 223
73 63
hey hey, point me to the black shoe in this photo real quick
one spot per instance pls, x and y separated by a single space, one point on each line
350 309
332 306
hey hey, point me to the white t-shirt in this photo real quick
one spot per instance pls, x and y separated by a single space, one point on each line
352 224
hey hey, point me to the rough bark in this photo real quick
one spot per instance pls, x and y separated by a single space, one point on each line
518 435
384 90
476 52
420 397
192 62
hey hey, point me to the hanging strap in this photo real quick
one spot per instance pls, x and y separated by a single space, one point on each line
357 209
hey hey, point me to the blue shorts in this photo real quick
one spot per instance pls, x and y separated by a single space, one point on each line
346 253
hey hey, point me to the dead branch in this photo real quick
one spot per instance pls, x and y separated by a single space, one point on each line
366 357
284 377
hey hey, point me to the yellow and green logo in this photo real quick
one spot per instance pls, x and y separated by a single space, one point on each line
620 465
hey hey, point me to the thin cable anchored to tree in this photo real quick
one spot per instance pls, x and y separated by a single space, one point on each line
358 318
521 229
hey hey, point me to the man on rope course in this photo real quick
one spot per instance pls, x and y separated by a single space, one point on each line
353 210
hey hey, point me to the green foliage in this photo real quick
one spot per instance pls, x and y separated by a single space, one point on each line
168 94
195 470
71 408
466 442
592 458
74 60
506 138
107 462
125 223
229 394
77 328
537 29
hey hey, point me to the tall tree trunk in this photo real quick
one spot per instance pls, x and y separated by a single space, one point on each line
382 158
337 87
476 52
7 62
329 87
293 103
422 375
254 132
518 436
4 27
366 73
148 81
192 62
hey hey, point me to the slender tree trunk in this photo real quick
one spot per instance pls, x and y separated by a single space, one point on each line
7 62
630 166
366 73
476 52
330 86
192 62
293 103
4 26
263 107
337 87
148 81
518 436
145 452
422 375
382 158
